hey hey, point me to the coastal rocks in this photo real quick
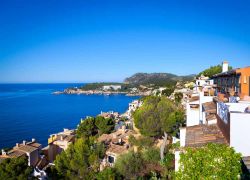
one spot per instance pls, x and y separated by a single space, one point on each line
96 92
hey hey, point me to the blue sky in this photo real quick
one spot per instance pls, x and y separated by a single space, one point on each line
102 40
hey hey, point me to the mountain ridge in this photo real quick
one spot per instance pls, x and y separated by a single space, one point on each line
156 78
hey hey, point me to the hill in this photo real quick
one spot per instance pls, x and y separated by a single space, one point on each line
156 78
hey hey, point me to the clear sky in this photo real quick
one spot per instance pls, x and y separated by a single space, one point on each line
102 40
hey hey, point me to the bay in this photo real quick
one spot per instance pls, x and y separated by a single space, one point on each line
32 111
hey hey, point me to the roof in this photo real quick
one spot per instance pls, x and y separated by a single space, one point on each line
27 148
227 73
63 137
116 149
15 154
209 107
119 134
105 137
69 138
200 135
34 144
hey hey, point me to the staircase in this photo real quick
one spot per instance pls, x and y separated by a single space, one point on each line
246 161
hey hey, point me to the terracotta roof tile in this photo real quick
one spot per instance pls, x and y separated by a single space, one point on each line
117 149
200 135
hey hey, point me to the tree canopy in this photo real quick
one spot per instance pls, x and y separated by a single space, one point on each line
178 97
158 115
87 128
80 160
212 70
104 125
168 91
16 168
92 126
108 173
213 161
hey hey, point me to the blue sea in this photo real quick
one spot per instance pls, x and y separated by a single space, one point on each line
32 111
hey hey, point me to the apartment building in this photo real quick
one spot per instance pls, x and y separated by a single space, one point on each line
29 149
58 142
236 80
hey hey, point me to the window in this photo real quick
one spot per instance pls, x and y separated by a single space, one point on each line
245 79
111 159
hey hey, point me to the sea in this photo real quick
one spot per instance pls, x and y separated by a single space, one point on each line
31 110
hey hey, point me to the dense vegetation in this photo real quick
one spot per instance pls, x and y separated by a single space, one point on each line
80 160
213 70
92 126
213 161
16 168
158 115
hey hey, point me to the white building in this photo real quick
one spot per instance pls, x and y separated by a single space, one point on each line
112 87
226 123
194 108
203 82
236 123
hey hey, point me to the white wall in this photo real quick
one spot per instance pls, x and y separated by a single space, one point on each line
192 116
177 159
200 82
182 136
240 132
203 99
238 106
195 116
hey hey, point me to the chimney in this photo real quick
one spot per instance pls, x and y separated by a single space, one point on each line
3 152
24 142
33 140
17 144
224 66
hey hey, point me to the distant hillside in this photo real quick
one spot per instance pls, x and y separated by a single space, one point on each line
156 78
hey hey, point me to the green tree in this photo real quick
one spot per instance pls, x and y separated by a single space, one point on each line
168 91
158 116
213 161
87 128
130 165
16 168
143 142
104 125
80 160
212 70
107 173
178 97
151 155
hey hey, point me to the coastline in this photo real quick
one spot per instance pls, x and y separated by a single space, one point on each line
52 113
97 92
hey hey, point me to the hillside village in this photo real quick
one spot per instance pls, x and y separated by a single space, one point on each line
215 109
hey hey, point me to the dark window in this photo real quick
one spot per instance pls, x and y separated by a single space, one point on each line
111 159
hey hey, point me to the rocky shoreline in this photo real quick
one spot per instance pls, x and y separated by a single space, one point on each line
97 92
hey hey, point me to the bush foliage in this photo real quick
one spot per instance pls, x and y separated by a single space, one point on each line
213 161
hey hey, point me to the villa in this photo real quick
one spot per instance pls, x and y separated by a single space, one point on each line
117 144
237 80
58 142
112 87
29 149
218 119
